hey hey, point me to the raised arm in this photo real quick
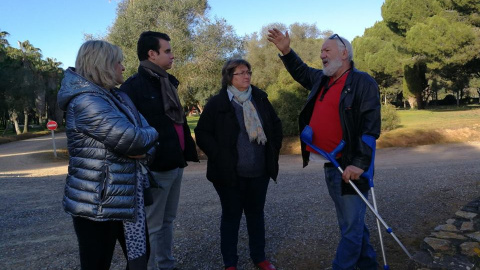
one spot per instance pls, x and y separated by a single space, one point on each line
282 41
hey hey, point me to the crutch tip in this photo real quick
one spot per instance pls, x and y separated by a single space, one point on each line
386 267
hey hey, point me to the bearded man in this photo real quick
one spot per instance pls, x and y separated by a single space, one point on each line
343 104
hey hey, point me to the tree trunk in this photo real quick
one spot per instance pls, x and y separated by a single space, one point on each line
25 122
7 126
413 102
199 109
419 100
40 99
478 91
14 119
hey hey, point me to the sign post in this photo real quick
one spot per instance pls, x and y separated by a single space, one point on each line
52 125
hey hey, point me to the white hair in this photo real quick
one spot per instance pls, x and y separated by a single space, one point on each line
345 45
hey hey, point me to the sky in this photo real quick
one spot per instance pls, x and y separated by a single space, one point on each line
57 27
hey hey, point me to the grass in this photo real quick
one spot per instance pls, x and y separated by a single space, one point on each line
417 127
11 136
439 125
192 122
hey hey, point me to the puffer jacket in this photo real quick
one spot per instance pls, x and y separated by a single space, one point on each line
359 111
101 134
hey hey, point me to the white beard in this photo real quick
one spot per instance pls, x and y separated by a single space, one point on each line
333 66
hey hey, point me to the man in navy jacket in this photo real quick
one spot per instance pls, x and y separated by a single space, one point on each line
343 104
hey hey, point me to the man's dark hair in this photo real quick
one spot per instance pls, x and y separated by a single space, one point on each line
149 41
229 68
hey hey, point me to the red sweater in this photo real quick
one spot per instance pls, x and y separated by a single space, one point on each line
325 121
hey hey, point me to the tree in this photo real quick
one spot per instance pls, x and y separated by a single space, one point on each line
52 74
378 52
446 43
174 17
3 59
3 40
201 46
432 37
33 84
213 43
400 16
24 81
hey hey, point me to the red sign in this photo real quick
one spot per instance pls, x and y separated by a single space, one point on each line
52 125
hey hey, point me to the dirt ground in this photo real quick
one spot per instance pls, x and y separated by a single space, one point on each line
417 188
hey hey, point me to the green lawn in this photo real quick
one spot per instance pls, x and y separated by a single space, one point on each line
192 122
417 127
440 118
432 126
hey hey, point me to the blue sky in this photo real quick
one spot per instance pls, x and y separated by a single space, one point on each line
57 27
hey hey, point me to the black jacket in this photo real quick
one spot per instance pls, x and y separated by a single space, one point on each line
144 90
359 112
217 133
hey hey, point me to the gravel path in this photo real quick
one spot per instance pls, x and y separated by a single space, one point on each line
417 188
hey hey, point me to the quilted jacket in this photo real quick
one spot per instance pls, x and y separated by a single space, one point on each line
101 132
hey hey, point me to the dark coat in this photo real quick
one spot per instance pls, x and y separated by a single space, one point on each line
359 111
217 133
144 90
102 132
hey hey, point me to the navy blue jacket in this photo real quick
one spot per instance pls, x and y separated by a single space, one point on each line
101 133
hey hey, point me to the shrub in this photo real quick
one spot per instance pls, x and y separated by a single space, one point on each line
288 105
390 118
449 100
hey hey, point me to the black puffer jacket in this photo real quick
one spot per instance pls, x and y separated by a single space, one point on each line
101 133
217 133
144 90
359 112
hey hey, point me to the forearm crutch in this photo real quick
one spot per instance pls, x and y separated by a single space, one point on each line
371 142
306 136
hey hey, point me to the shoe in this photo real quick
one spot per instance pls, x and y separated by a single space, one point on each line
231 268
266 265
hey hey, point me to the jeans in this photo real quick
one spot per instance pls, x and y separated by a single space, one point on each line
160 216
96 242
354 250
248 197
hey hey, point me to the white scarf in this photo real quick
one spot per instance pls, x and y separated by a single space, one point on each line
250 115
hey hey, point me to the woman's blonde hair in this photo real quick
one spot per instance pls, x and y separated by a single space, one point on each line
96 60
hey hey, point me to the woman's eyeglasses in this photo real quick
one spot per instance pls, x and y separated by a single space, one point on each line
248 73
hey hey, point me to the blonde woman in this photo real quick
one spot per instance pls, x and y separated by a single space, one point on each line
108 142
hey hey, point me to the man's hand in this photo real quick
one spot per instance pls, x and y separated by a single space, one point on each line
280 40
351 173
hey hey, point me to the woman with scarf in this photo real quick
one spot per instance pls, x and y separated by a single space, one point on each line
241 135
108 144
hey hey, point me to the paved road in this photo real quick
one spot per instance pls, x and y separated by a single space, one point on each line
417 188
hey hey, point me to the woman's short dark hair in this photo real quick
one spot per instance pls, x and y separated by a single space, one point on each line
149 41
229 68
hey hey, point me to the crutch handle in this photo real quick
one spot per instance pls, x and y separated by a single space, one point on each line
368 174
